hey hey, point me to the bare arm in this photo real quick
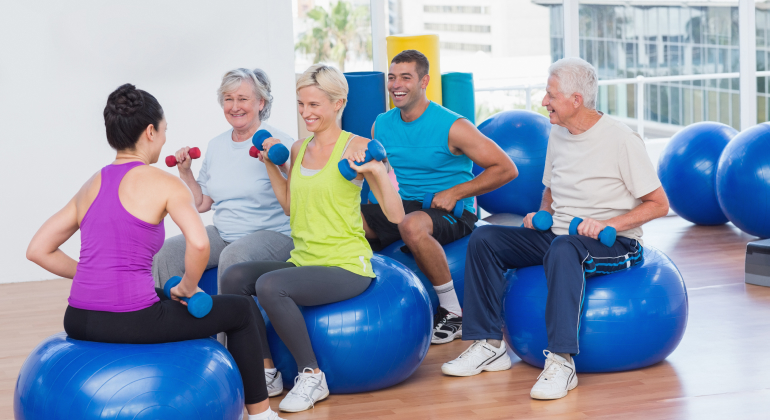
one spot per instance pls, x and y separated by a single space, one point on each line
181 207
545 204
654 205
376 174
184 161
44 250
499 169
281 185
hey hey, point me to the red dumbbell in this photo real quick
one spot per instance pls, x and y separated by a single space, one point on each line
194 153
254 152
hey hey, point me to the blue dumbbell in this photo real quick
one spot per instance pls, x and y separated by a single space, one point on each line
199 305
606 236
375 150
541 221
278 153
459 206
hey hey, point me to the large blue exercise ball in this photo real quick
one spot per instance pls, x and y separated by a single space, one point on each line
523 135
631 319
71 379
687 168
743 180
372 341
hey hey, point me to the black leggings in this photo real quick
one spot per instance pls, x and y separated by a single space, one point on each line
280 287
168 321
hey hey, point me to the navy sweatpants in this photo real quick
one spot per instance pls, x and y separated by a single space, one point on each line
567 261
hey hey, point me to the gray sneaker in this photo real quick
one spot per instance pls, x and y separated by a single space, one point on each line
309 388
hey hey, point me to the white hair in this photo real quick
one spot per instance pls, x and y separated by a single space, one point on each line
260 84
576 76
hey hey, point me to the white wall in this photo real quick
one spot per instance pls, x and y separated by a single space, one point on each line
60 60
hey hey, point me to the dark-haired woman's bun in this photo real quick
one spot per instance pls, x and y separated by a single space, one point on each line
125 100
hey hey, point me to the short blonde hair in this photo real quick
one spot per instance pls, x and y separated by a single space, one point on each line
328 79
260 84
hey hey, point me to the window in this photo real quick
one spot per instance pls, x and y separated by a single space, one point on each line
455 27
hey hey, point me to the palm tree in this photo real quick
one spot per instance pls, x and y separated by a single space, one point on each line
334 33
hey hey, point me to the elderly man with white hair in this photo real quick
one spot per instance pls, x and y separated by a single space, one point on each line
596 169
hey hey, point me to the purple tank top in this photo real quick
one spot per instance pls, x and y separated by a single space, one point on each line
115 269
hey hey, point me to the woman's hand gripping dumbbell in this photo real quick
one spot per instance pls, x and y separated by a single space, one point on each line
199 305
193 153
276 152
374 151
606 236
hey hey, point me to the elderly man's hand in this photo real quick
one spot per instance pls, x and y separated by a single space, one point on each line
591 228
528 220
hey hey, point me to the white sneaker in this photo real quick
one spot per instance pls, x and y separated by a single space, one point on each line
309 388
274 383
273 416
558 377
479 356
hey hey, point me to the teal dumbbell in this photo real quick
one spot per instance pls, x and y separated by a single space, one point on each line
606 236
277 154
427 201
374 150
199 305
541 221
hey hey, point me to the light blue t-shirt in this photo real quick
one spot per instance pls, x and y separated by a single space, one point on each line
419 152
244 201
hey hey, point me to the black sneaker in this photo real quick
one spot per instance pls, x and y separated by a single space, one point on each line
446 327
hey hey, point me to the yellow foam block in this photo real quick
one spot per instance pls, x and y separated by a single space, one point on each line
428 45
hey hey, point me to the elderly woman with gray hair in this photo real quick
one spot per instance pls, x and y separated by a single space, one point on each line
249 223
596 169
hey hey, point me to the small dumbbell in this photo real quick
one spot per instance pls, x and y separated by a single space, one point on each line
458 210
194 153
277 154
374 150
199 305
541 221
606 236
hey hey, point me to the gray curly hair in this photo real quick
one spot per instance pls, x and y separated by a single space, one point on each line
259 82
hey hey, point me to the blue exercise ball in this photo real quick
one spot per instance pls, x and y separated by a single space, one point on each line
71 379
631 319
523 136
455 257
743 180
688 170
372 341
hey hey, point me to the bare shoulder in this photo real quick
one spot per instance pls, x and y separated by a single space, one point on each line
359 142
156 180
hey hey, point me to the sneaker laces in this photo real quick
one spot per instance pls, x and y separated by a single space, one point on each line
552 366
467 354
440 318
302 381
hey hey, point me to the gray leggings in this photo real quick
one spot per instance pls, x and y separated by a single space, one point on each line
262 245
280 287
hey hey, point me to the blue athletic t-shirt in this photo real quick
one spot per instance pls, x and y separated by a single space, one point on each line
419 152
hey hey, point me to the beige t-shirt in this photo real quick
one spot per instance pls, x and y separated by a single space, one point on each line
600 174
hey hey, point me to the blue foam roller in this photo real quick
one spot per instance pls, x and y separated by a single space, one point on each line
523 136
372 341
743 180
71 379
630 319
458 94
366 100
687 170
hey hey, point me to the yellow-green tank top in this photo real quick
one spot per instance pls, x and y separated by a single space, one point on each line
325 217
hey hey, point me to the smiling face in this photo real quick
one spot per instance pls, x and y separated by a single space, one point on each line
242 107
317 109
405 86
561 108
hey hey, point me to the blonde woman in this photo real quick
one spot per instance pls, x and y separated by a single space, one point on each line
330 260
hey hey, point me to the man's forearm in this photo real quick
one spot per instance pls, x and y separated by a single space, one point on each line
641 214
487 181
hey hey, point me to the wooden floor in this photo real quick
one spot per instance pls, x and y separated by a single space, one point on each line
721 370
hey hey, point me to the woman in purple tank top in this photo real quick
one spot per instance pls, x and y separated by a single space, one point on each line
120 213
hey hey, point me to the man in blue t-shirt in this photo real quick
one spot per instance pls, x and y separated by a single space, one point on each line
432 150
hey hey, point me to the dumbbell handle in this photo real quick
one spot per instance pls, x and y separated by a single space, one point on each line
199 305
194 153
457 212
541 221
607 236
277 154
